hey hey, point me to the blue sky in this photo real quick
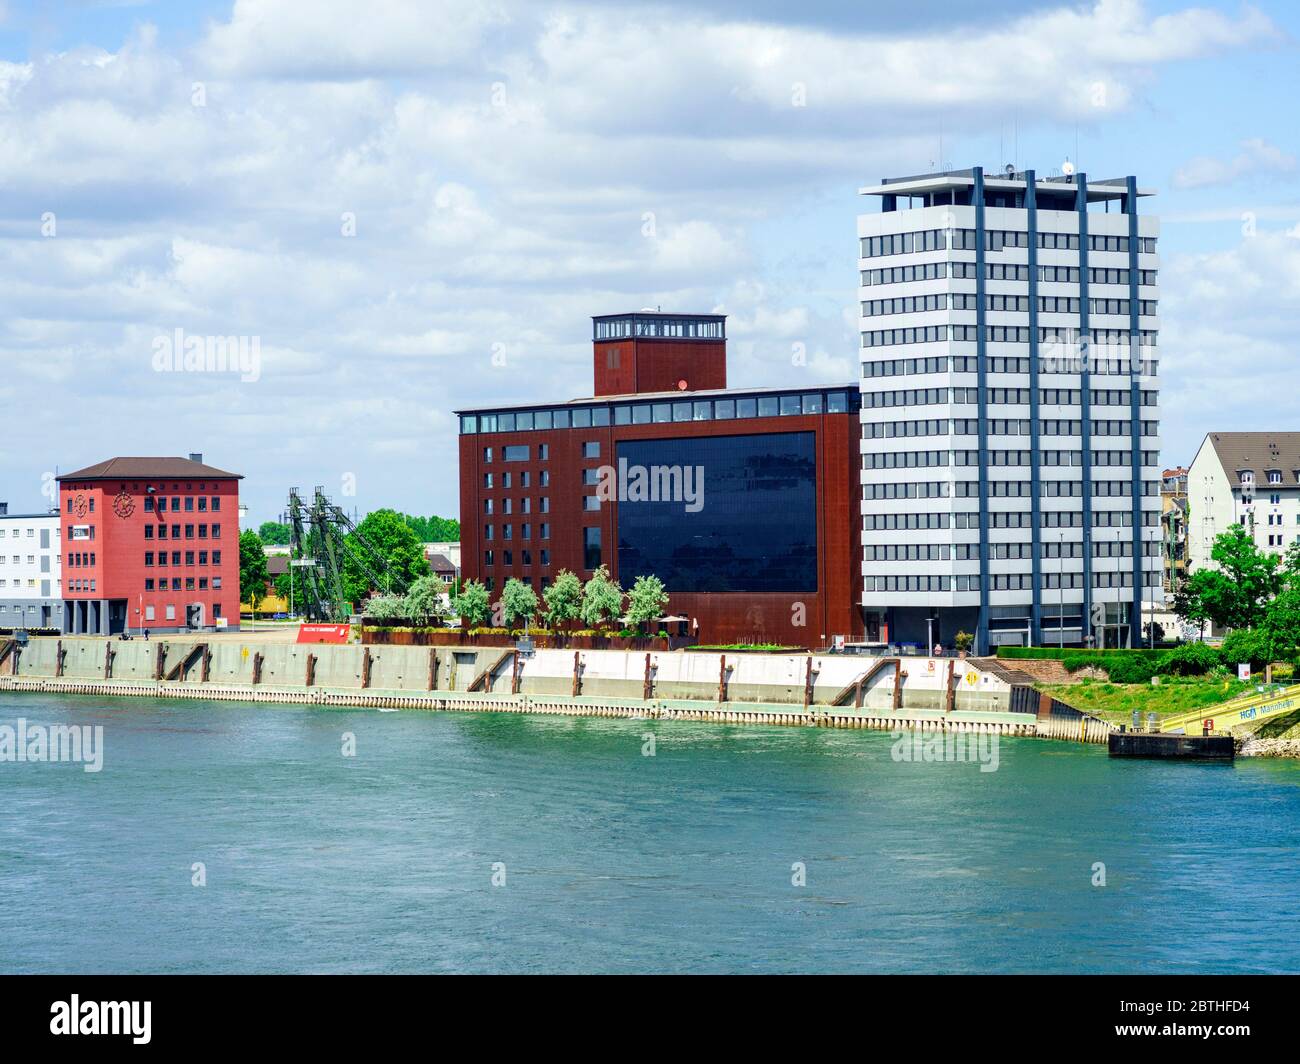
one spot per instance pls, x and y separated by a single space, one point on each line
512 169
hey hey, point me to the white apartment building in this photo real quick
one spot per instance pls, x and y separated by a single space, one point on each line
1250 479
31 588
1010 410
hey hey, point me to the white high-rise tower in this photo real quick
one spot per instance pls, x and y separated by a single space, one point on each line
1010 410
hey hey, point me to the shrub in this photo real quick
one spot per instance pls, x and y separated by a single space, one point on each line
1190 659
1038 653
1120 666
386 608
1246 645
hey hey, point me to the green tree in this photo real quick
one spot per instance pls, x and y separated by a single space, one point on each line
518 601
602 599
275 534
434 529
1247 645
397 545
1236 593
563 599
424 602
472 605
283 588
646 601
1281 625
252 568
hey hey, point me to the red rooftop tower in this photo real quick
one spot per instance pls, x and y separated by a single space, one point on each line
652 352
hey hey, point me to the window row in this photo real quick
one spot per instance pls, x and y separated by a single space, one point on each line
150 557
525 558
490 480
940 301
1020 397
189 531
999 271
158 505
1002 334
519 452
191 584
525 531
900 367
169 610
1002 581
829 401
525 505
1048 488
1052 518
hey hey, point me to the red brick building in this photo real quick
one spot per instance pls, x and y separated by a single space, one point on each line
745 502
150 543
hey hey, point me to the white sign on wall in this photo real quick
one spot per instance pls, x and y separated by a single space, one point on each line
1243 670
80 531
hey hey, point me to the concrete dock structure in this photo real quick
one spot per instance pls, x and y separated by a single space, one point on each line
841 691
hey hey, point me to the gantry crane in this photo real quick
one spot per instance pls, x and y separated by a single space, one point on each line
322 536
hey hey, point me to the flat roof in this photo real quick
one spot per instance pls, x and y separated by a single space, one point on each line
632 397
658 315
1111 188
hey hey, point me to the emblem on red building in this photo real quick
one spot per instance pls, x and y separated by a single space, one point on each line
123 505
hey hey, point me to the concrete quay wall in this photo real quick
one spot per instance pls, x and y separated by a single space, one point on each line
777 679
992 723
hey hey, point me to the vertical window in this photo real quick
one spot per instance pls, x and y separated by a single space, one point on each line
591 548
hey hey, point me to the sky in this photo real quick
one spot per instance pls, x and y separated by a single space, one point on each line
403 209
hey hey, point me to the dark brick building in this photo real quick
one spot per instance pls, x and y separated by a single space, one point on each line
745 502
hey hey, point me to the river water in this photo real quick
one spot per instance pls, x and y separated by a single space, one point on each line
605 859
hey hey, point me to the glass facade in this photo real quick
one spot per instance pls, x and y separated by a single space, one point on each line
740 513
662 412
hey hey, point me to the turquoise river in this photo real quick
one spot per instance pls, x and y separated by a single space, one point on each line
609 860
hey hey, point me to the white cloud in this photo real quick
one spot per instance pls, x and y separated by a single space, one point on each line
499 161
336 39
1257 156
1228 337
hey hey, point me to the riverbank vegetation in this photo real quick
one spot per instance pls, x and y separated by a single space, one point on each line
1116 702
